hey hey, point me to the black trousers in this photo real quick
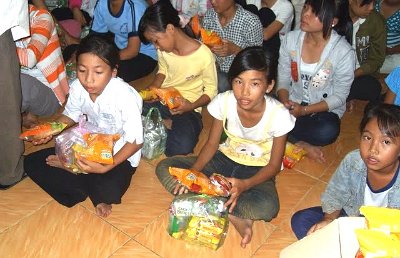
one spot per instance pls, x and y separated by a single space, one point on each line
135 68
365 87
70 189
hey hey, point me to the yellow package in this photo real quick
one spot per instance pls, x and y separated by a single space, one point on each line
147 94
383 219
169 96
99 147
374 243
293 154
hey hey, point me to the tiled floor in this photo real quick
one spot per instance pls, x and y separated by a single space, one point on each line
34 225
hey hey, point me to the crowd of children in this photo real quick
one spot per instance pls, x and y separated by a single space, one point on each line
263 85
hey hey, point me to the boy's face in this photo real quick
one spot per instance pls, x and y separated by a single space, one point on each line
249 89
94 74
221 6
361 11
379 151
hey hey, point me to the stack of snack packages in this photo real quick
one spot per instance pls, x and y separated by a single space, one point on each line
381 238
200 217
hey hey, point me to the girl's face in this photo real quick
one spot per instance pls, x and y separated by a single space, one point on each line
94 74
249 89
309 21
379 151
164 41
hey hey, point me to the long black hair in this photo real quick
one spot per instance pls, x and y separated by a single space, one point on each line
327 11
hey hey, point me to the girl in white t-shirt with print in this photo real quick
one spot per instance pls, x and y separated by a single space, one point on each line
251 156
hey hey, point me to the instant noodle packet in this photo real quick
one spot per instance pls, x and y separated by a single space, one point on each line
374 243
198 182
42 131
147 94
195 24
386 220
293 154
169 96
99 147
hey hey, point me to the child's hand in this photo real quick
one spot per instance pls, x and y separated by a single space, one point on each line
185 106
238 187
92 167
318 226
42 141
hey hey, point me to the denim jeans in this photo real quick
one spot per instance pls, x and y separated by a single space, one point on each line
318 129
223 81
258 203
185 131
303 220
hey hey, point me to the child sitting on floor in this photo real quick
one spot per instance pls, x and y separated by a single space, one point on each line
366 176
107 102
185 64
251 157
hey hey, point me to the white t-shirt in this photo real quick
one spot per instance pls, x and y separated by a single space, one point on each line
306 73
283 10
275 122
15 16
118 108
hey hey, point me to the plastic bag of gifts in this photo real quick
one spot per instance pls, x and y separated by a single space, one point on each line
199 219
85 141
155 135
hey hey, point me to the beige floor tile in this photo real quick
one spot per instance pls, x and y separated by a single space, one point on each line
57 231
133 249
156 238
291 186
278 240
20 201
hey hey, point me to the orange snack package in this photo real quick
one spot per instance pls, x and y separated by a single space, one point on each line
195 24
99 147
42 131
210 38
293 154
198 182
169 96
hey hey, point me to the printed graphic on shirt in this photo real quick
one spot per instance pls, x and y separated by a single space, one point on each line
363 45
321 77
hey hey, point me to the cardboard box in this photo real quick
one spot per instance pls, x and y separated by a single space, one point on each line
336 240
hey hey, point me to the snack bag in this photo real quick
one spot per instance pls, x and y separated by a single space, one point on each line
169 96
210 38
198 182
374 243
98 147
195 24
386 220
199 219
293 154
147 94
42 131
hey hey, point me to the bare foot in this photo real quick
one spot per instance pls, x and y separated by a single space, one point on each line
313 152
54 161
168 123
29 120
244 227
103 210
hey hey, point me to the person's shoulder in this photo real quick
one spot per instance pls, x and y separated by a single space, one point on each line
121 88
137 4
285 4
246 14
375 18
354 159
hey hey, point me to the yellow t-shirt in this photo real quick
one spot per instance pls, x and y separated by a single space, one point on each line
192 75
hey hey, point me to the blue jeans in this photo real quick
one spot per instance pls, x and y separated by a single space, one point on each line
223 82
185 131
318 129
303 220
258 203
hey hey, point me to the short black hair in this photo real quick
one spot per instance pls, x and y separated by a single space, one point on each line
253 58
157 17
388 118
100 46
